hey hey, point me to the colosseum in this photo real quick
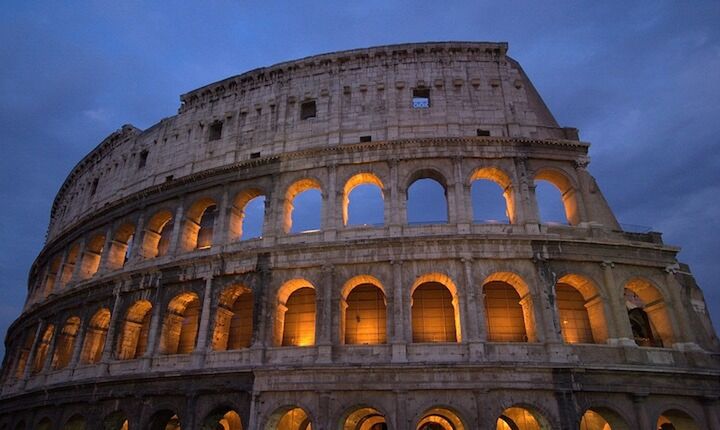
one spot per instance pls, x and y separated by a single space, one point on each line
214 272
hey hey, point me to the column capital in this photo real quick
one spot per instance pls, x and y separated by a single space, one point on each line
607 264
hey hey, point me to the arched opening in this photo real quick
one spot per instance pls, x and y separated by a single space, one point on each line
363 200
199 225
44 424
675 419
427 198
69 265
292 419
51 276
365 419
24 352
440 418
602 419
135 330
42 349
247 216
556 199
303 207
158 234
508 308
364 312
76 422
95 335
222 419
520 418
234 320
66 343
434 310
295 316
181 324
648 314
165 420
115 421
492 197
581 310
91 256
120 247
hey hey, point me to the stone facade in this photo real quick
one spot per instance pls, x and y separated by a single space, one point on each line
150 308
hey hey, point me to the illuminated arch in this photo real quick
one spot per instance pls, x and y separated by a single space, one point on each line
156 240
120 246
224 418
289 418
581 310
648 314
567 191
296 314
435 309
181 324
412 200
363 311
95 335
508 308
440 418
364 418
199 225
234 319
66 343
364 178
71 258
90 262
133 339
116 421
24 353
499 177
238 215
292 192
602 418
676 419
76 422
164 419
42 348
50 276
520 417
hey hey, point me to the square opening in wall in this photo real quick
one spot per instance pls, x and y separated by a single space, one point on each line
365 138
215 131
308 109
481 132
421 98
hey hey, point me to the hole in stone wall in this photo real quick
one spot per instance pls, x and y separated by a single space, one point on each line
421 98
426 202
308 109
215 131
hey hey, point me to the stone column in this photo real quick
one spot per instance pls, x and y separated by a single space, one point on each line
78 261
78 345
331 206
106 251
110 336
641 415
395 217
619 326
525 193
399 339
178 224
323 412
463 200
684 336
323 330
711 408
51 350
155 326
136 243
476 330
201 346
220 229
42 324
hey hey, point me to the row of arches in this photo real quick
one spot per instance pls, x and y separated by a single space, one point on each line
516 417
208 220
507 307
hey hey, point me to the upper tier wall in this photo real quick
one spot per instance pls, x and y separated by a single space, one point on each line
368 92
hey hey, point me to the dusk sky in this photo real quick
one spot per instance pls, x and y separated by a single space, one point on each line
639 79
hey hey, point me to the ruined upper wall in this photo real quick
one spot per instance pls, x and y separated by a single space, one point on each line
357 94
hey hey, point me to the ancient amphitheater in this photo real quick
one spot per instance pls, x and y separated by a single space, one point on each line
154 306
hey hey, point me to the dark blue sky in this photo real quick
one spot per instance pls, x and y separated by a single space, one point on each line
639 79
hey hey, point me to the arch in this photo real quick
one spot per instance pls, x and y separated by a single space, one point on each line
42 348
364 418
292 192
50 276
234 319
164 419
91 256
180 327
69 265
508 308
502 180
440 418
581 310
76 422
602 419
295 314
364 178
120 246
675 419
115 421
66 343
156 240
240 215
435 311
95 335
44 424
648 314
133 339
223 418
363 311
289 418
24 352
522 418
567 192
199 225
423 187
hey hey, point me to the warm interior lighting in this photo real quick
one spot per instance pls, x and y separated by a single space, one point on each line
299 323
